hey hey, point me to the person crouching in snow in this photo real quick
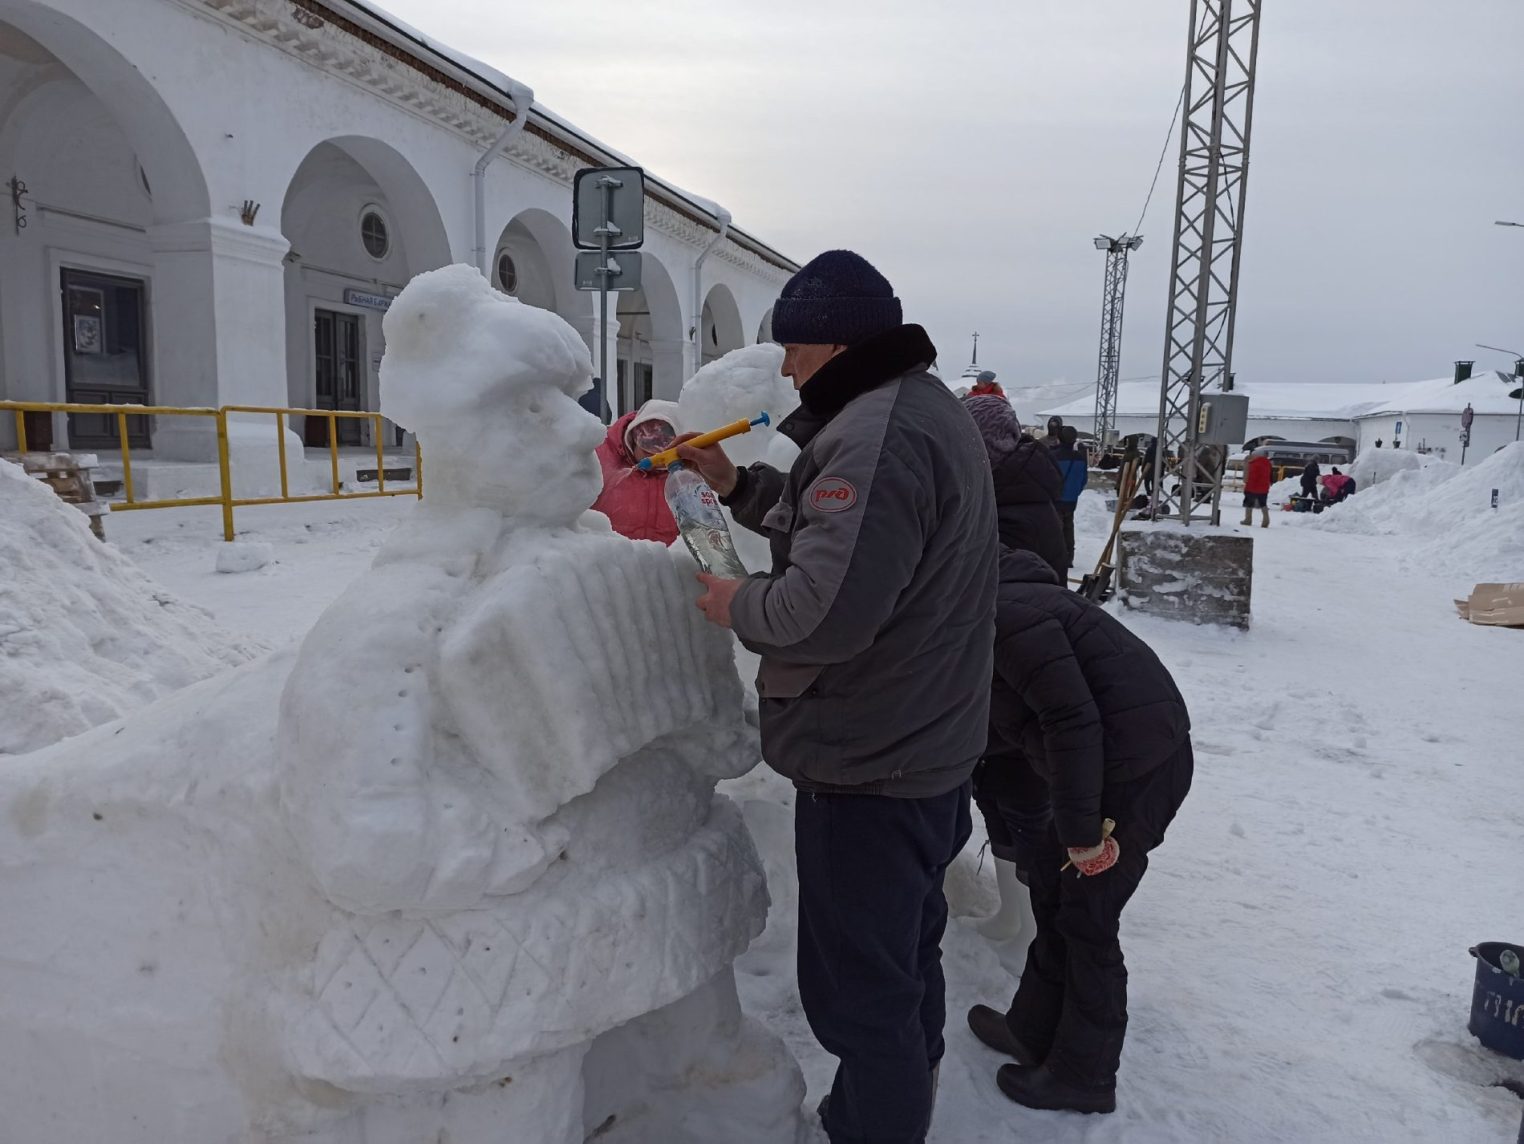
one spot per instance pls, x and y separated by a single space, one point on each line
635 501
1257 488
1089 707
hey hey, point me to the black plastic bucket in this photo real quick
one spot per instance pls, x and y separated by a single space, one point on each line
1497 1001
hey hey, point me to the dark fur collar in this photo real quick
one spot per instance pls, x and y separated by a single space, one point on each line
866 366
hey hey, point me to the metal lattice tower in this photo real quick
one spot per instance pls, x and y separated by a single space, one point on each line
1109 362
1214 168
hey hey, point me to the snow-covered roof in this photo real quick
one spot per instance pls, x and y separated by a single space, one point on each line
499 86
1486 392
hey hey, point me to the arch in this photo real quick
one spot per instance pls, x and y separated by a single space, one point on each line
541 248
150 127
765 327
721 330
361 222
651 341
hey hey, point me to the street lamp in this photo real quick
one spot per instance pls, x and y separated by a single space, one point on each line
1518 373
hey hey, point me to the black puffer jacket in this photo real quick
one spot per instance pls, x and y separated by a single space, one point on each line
1083 699
1027 484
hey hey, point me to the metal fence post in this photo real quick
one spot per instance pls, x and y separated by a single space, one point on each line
225 472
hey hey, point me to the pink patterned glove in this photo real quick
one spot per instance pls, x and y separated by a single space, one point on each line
1097 859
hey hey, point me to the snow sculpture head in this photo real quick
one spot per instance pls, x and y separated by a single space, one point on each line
489 385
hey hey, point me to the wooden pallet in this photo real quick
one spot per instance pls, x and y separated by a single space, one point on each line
70 480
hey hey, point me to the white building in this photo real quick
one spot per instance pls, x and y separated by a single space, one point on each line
210 202
1410 415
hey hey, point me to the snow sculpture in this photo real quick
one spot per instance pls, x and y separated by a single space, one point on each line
741 384
471 882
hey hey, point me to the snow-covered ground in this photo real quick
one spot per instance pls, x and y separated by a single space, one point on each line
1298 950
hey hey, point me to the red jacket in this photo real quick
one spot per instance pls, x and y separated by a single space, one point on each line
634 501
1257 475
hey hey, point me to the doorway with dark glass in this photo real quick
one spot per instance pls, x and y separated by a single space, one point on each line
105 357
336 382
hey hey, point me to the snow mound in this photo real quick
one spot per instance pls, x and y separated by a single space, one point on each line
85 635
1446 512
244 556
1374 466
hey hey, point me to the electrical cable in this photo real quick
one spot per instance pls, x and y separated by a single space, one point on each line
1180 102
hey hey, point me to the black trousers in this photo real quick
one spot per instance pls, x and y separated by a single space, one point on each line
871 918
1066 517
1071 1006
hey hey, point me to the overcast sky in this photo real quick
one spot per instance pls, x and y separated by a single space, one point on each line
972 148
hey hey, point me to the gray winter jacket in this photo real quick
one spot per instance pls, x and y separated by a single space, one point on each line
876 623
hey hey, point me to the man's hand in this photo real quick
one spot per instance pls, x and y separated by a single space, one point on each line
718 471
715 602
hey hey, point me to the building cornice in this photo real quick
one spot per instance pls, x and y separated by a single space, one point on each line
333 38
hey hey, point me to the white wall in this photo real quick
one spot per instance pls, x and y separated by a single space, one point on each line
224 105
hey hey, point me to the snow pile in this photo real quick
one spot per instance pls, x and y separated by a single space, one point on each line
455 867
85 636
1445 513
244 556
1374 466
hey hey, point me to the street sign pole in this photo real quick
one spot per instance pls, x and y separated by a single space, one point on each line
607 184
615 198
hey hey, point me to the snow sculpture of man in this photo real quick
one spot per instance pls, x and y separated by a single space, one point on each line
498 753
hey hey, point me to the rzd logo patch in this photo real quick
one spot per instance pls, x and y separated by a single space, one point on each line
832 494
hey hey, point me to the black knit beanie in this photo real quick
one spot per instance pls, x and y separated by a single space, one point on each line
838 299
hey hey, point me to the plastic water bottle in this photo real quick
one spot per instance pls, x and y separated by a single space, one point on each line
696 509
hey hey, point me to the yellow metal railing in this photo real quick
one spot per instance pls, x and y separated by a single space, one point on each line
226 497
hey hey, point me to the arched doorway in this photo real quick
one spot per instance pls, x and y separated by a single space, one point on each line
100 164
534 261
765 330
361 223
720 330
651 342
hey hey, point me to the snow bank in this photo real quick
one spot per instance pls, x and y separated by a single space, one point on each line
244 556
1445 513
1374 466
85 636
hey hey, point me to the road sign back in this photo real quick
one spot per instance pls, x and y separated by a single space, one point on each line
623 270
625 188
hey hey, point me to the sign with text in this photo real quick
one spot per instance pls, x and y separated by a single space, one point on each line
367 300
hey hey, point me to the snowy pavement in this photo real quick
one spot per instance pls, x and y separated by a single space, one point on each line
1298 950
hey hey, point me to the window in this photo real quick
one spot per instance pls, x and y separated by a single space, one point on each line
507 273
373 234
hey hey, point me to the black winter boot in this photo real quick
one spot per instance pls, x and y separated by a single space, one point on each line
990 1026
1039 1088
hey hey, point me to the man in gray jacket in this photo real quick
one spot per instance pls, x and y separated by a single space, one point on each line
875 628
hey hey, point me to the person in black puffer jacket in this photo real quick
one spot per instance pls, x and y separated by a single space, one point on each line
1027 482
1089 707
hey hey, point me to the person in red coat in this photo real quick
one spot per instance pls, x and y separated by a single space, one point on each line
1257 488
985 385
635 501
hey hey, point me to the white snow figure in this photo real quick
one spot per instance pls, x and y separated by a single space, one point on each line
474 884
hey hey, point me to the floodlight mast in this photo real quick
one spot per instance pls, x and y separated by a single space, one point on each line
1109 360
1209 211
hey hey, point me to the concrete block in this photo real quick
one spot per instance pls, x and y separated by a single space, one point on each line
1199 575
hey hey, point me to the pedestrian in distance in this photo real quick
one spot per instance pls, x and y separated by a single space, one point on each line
1054 425
875 627
1027 483
1026 479
1257 481
1089 708
634 500
1074 464
1310 475
985 385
